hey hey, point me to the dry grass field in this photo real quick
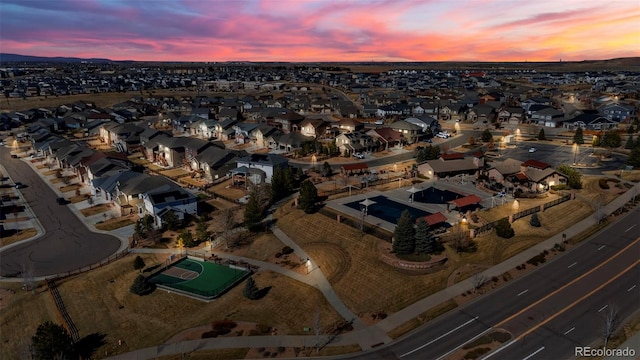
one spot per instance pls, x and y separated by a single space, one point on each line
20 235
100 301
115 223
97 209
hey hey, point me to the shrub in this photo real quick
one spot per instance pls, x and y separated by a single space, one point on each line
474 354
535 221
223 324
504 229
538 259
278 255
560 187
138 263
266 354
287 250
603 184
141 286
281 349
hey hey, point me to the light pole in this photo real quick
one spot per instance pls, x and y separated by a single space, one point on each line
575 152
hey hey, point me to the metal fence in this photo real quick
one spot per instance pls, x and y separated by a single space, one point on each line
102 263
358 224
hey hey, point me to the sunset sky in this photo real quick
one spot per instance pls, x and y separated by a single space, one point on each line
322 30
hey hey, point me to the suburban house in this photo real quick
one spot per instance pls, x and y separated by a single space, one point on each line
262 133
588 121
265 164
548 117
348 125
410 131
284 119
483 113
502 170
123 137
293 141
101 164
618 112
316 128
511 115
243 132
387 137
215 162
452 164
353 142
165 196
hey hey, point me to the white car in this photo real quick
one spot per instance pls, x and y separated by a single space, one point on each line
359 155
532 150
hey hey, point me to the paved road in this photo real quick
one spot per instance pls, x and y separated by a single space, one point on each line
67 243
441 337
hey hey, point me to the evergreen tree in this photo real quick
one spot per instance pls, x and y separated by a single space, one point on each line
137 229
326 169
141 286
202 230
52 341
486 135
630 142
278 184
634 155
171 220
578 137
138 263
425 241
308 197
630 130
504 229
251 290
253 212
187 238
611 139
404 235
535 221
541 135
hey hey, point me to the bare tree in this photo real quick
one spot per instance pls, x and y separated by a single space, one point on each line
610 322
460 239
478 280
316 328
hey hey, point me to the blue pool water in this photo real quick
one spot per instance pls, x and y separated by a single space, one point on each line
387 209
435 196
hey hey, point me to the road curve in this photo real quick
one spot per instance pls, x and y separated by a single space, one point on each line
67 243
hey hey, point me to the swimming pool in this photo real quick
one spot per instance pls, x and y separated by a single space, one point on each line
435 196
387 209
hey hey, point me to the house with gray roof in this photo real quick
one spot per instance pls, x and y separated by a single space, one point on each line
264 163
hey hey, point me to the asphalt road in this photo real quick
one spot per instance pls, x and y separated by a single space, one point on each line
67 243
525 303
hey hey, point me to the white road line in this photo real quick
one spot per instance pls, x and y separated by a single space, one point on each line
631 288
500 349
533 353
632 226
572 265
440 337
570 330
464 343
523 292
602 308
601 247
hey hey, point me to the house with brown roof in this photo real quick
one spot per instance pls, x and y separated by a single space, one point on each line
316 128
452 164
387 137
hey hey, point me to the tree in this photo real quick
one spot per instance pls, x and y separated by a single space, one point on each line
428 153
137 229
425 241
187 238
574 177
504 229
611 139
541 135
52 341
308 197
472 141
630 130
138 263
147 223
253 212
278 184
202 230
535 221
404 241
326 169
141 286
634 155
630 142
486 135
578 137
171 220
251 290
460 239
610 322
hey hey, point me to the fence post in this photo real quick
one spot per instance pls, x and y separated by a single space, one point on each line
542 208
510 219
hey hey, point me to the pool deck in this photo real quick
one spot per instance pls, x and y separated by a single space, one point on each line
401 196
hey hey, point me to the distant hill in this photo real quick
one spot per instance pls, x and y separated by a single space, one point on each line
26 58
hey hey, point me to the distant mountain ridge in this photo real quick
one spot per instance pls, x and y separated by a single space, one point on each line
27 58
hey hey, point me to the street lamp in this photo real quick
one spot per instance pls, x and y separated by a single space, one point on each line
575 152
515 206
517 134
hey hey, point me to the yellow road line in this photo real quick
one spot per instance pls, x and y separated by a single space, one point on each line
577 301
566 285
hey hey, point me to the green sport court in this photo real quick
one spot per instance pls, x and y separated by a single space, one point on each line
201 279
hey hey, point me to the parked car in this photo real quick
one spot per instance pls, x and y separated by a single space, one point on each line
532 150
359 155
14 156
62 201
20 185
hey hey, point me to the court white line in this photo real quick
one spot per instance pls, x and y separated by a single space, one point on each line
440 337
572 265
632 226
570 330
602 308
533 353
523 292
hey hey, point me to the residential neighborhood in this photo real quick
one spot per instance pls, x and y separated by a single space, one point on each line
306 178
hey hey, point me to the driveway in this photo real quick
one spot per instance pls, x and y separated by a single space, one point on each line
67 243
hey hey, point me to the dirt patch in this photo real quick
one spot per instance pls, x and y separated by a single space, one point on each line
95 209
6 295
70 188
